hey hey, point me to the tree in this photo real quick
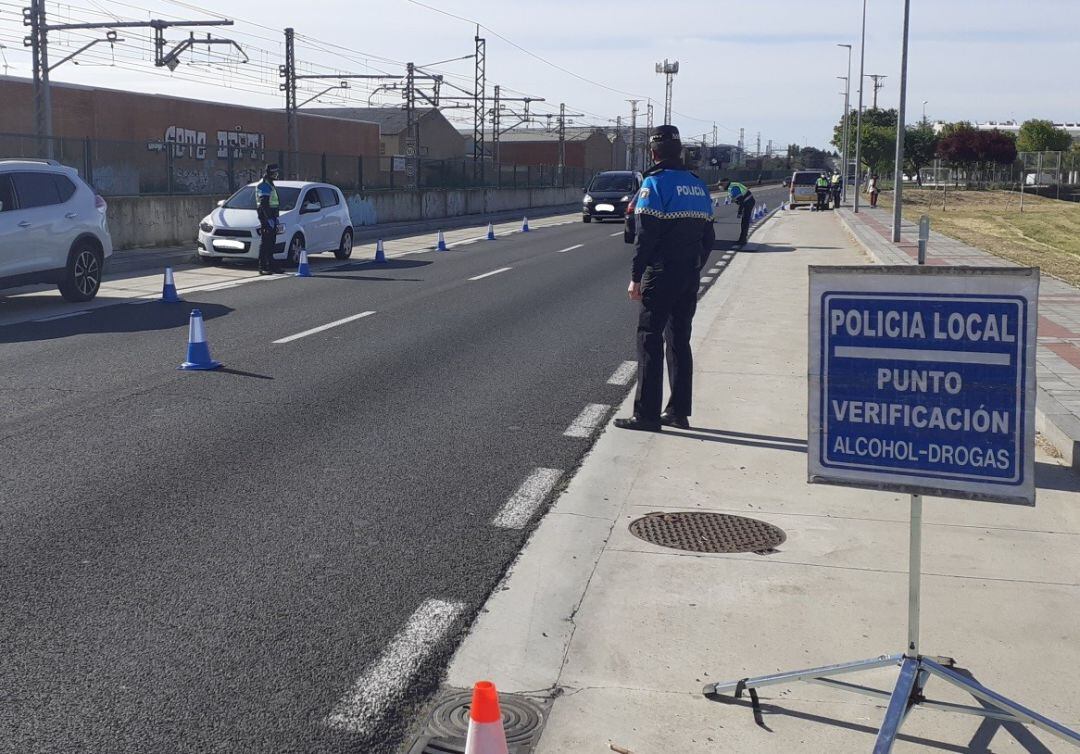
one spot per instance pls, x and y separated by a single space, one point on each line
920 147
995 147
957 147
1041 136
878 138
813 158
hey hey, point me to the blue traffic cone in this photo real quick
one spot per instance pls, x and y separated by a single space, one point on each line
304 269
168 290
380 253
440 244
525 225
198 350
765 209
491 232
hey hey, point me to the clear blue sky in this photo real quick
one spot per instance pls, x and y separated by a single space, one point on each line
769 67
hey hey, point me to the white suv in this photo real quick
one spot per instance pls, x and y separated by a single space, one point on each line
52 228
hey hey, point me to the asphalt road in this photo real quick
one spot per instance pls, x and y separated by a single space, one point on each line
214 562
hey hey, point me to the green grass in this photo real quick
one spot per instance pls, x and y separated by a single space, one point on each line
1046 234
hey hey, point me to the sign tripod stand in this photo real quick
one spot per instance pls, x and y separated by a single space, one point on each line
915 671
839 365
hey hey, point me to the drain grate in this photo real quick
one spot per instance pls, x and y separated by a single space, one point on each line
707 532
523 720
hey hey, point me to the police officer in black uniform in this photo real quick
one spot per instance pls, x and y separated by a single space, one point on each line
675 237
268 208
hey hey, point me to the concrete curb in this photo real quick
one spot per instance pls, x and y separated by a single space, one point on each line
1056 423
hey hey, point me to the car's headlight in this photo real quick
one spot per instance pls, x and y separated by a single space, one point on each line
206 227
588 199
281 229
625 198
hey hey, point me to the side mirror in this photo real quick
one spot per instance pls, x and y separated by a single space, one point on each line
584 189
310 207
221 202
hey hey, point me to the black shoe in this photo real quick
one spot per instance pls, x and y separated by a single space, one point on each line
637 423
276 271
674 420
265 272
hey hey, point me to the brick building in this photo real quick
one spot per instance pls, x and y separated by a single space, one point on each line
139 140
589 149
438 138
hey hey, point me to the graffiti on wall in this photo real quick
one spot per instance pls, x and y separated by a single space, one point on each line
189 143
244 144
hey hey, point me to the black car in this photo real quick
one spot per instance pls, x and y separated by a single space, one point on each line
608 194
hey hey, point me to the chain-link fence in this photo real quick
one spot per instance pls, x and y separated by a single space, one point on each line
1054 175
120 168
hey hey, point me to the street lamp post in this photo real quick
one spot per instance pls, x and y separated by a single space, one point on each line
847 123
858 124
898 170
924 110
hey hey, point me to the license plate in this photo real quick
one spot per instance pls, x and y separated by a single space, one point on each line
605 207
237 245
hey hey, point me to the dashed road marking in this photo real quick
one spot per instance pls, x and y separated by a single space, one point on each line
707 279
489 274
617 233
570 248
387 679
714 271
521 506
588 420
626 372
321 328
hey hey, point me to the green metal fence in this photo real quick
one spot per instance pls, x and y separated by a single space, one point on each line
122 168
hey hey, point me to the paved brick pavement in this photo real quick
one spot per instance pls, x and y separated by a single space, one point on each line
1058 357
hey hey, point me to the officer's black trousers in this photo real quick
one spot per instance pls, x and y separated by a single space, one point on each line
669 300
747 215
822 198
267 242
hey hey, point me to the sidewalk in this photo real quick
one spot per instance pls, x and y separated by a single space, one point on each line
1058 360
622 634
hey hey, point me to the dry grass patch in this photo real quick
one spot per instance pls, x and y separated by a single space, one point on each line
1046 234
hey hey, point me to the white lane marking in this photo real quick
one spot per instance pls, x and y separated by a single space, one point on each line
588 420
617 233
66 315
521 506
626 372
714 271
489 274
321 328
570 248
707 279
387 679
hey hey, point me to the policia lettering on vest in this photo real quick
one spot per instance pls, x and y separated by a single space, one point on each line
268 208
675 238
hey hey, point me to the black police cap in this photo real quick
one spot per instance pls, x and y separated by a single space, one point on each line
664 133
272 167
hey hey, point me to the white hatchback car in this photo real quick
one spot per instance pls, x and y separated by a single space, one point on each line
52 228
314 216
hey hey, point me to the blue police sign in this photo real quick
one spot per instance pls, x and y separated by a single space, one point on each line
922 380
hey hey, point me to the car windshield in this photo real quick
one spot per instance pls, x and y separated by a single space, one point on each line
624 183
806 179
245 198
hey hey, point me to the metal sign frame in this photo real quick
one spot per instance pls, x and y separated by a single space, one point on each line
916 669
938 292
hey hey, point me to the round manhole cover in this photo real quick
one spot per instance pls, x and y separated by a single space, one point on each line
521 718
707 532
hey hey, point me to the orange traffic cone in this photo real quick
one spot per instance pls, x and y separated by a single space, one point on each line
486 734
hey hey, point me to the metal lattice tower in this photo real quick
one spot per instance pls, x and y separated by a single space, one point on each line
288 72
479 112
669 70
